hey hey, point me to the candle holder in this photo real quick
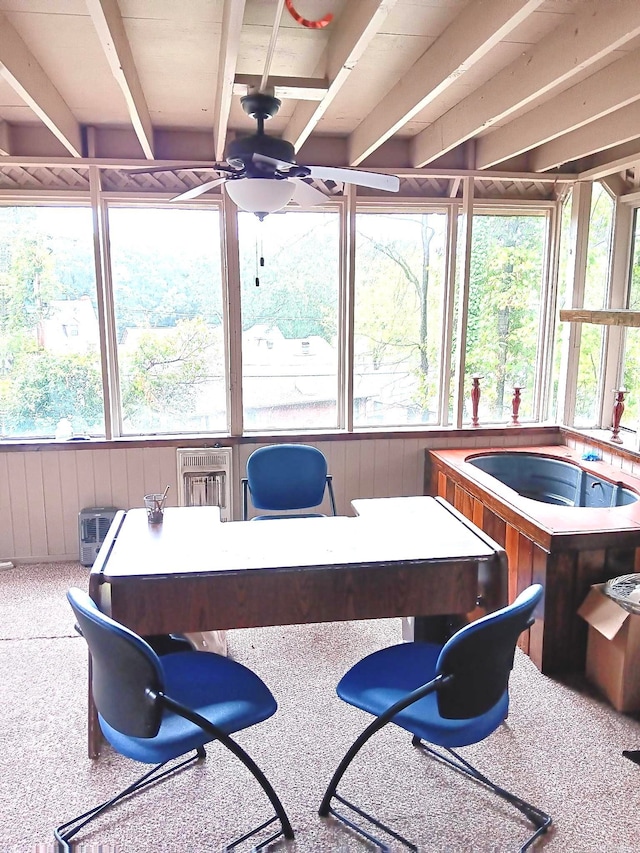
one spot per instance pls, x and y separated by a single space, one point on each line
618 409
515 404
475 399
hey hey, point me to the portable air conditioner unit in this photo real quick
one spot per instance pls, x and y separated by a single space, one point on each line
93 525
204 478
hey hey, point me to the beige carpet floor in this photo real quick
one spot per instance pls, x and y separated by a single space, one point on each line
560 748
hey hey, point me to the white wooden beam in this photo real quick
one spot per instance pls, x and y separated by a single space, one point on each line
109 26
271 47
293 88
359 23
577 43
173 165
23 72
232 17
471 35
5 138
620 126
607 90
616 159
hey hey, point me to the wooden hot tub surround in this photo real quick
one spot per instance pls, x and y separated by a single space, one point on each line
566 549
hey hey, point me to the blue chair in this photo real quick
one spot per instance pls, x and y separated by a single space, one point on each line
451 696
157 709
286 477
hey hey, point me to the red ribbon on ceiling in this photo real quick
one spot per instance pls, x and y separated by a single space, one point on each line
313 25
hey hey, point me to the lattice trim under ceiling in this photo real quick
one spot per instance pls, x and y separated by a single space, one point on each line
17 178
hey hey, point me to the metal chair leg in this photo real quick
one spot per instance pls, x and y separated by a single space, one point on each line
541 820
286 829
66 831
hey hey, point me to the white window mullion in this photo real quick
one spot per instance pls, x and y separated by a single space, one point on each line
232 316
548 304
448 307
463 299
617 297
106 321
580 215
346 300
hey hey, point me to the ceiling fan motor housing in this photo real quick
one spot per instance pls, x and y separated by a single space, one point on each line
240 152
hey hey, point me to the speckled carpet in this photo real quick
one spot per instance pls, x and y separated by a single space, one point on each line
560 749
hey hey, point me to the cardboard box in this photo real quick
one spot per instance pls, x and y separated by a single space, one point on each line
613 649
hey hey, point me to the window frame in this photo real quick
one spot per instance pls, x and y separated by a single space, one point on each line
348 205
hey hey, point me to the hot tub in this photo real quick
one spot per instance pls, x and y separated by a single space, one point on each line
564 522
553 481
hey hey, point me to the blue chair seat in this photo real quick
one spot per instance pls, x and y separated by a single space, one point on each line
385 677
223 691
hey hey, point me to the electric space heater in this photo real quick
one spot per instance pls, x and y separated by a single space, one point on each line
93 525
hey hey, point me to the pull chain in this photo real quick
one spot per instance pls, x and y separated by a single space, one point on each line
259 253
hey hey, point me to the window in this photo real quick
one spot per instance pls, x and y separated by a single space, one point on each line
167 292
595 296
166 330
50 373
289 320
504 314
399 287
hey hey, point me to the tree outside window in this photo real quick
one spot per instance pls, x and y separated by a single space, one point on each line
504 312
47 286
166 273
399 289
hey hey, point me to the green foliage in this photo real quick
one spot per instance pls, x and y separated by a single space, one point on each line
398 307
44 388
504 307
161 375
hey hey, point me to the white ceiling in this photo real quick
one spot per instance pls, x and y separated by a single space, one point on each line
520 85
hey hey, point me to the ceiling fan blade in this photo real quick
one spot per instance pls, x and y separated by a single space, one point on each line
304 194
282 165
391 183
183 167
196 191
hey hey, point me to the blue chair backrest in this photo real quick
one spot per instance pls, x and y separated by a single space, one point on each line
480 658
124 670
287 476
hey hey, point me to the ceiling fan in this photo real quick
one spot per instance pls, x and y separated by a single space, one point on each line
261 174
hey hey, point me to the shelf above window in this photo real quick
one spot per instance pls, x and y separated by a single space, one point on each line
604 317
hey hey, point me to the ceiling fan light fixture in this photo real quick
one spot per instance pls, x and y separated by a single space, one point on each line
260 195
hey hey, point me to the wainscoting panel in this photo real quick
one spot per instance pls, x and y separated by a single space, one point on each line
43 489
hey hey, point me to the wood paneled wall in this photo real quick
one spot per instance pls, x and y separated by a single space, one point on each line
43 489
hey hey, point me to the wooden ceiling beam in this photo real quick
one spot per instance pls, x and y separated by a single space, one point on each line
471 35
294 88
614 129
5 139
25 75
359 23
232 17
114 42
577 43
613 161
607 90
